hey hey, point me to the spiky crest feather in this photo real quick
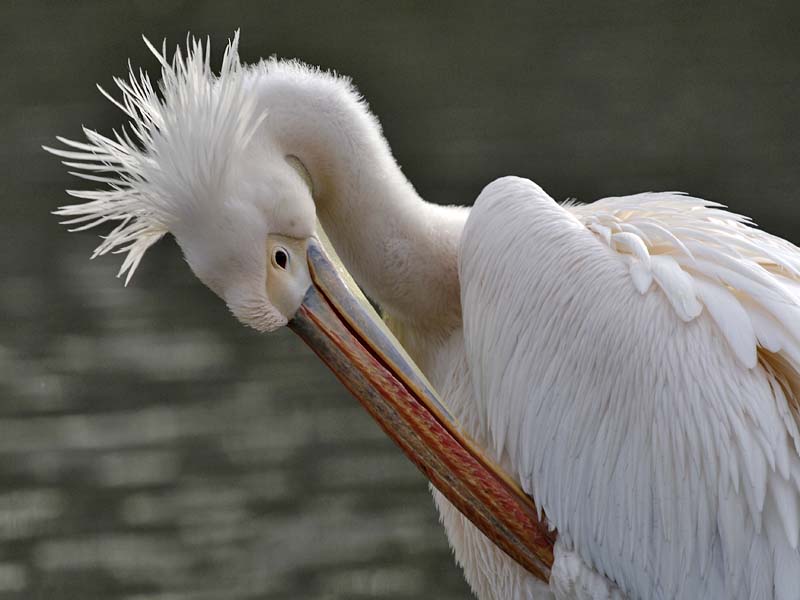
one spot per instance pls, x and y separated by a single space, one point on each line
182 146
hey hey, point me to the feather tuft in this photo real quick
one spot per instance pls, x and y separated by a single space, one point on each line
179 142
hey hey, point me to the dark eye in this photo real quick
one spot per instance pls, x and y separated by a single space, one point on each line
280 258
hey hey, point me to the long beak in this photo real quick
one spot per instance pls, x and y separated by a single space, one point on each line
344 331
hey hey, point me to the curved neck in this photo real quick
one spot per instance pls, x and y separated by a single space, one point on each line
402 250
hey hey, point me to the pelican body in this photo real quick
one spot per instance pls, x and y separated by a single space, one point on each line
606 397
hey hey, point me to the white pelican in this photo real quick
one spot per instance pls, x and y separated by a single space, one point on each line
633 364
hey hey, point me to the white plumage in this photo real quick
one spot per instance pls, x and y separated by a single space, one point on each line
634 363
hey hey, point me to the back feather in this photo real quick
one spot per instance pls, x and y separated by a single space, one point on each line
701 255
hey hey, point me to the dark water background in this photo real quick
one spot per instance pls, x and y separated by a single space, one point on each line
153 449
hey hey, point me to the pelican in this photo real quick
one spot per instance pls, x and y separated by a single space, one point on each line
606 397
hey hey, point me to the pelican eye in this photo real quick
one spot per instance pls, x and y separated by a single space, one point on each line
280 258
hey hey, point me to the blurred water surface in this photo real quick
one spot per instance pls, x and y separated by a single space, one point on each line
153 449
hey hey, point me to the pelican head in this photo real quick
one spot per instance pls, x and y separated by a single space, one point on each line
193 165
246 237
198 161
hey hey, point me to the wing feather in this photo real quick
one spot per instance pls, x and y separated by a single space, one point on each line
638 361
